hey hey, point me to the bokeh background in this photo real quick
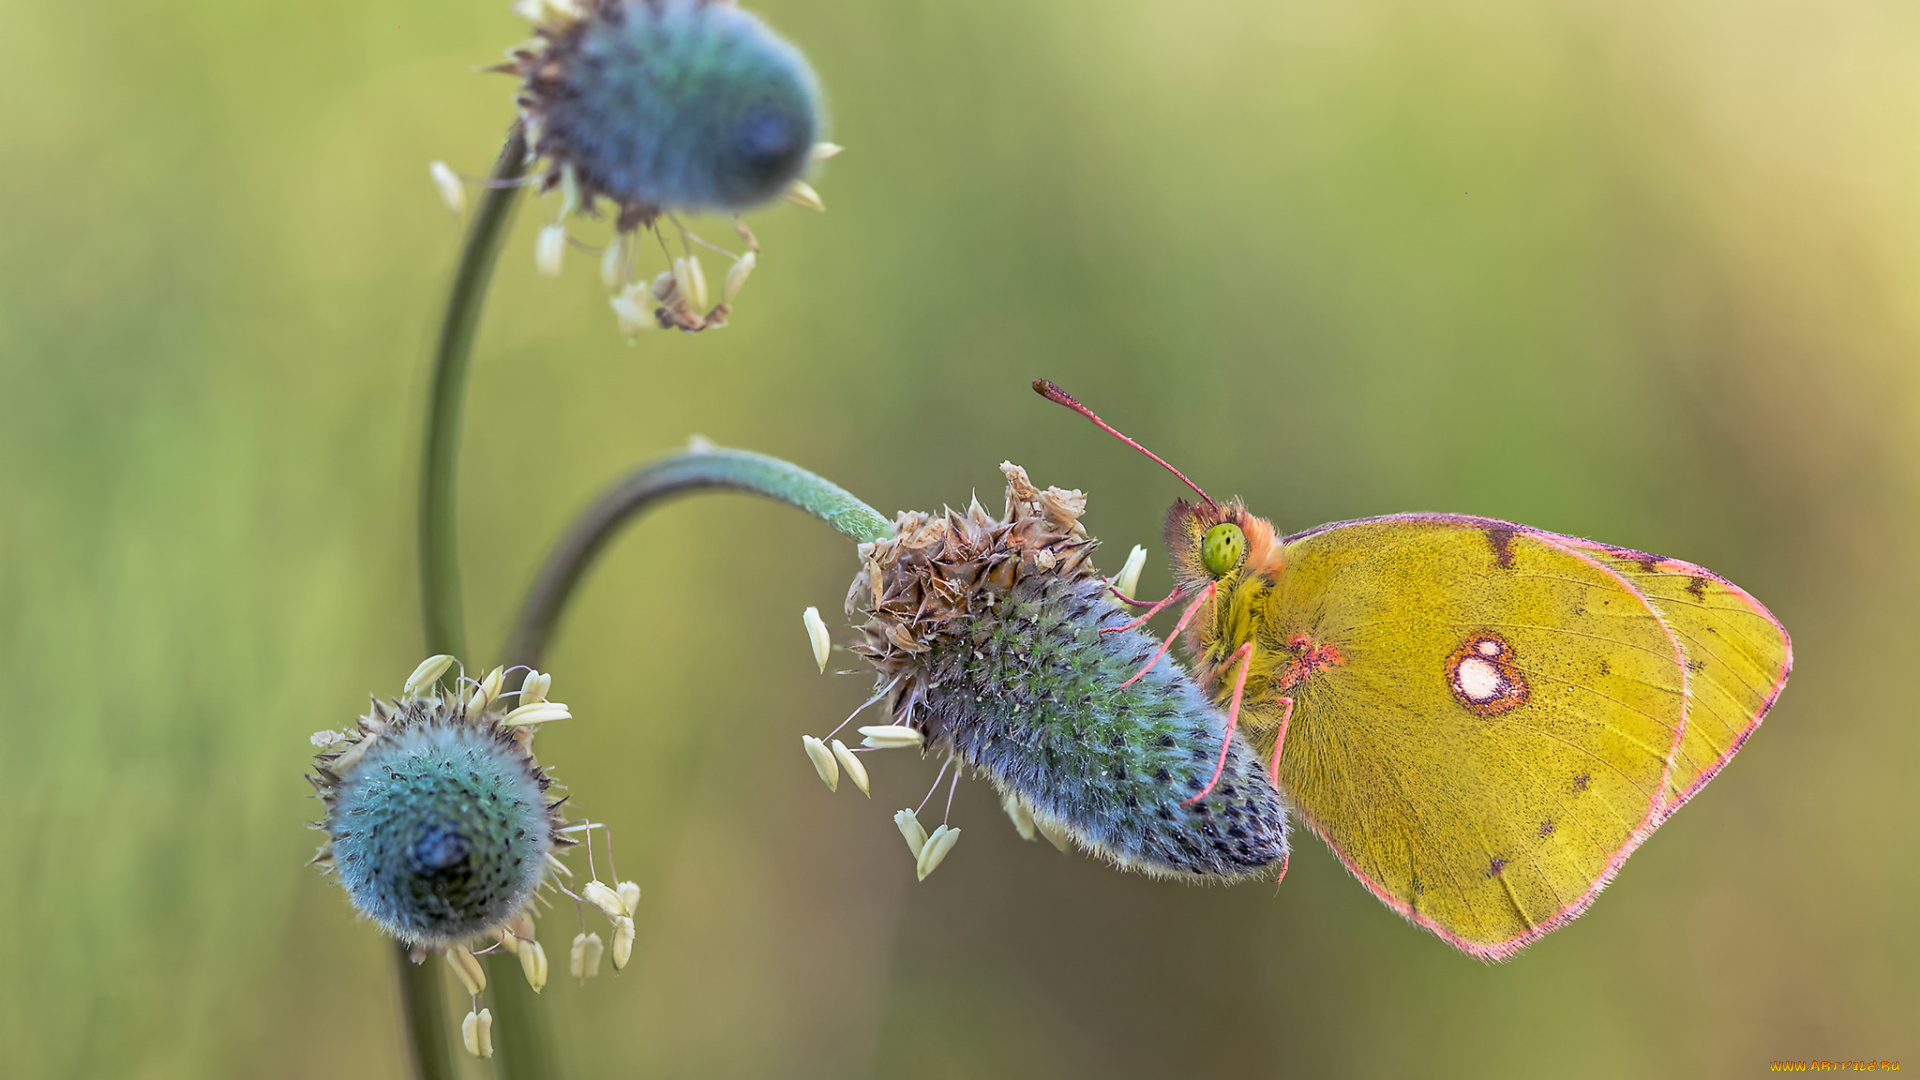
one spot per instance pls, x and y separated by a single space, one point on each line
1644 270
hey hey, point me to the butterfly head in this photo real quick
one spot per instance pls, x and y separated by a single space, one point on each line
1220 542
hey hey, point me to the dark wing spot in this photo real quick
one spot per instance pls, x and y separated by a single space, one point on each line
1698 587
1500 538
1546 827
1496 865
1605 668
1580 782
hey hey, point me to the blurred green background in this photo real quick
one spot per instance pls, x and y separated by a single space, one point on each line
1643 270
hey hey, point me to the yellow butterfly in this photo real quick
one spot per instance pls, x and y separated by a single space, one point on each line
1482 719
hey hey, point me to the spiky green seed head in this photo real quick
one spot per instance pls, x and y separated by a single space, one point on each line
439 821
990 633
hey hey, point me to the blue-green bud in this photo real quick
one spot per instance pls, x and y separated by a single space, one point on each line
668 105
438 823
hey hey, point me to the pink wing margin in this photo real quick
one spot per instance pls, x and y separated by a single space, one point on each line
1657 810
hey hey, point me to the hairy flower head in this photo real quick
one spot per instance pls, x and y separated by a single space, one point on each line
998 643
439 821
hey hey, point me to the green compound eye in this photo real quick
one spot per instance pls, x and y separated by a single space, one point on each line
1223 548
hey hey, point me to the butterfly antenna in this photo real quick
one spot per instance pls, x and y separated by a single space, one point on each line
1046 389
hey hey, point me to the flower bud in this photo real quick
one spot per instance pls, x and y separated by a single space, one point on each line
667 104
438 829
584 961
629 896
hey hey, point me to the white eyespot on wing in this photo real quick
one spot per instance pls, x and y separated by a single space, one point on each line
1480 680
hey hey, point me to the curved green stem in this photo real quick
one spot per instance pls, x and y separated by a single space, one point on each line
427 1026
681 474
439 557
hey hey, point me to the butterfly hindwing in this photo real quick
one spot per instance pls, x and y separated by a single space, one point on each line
1738 655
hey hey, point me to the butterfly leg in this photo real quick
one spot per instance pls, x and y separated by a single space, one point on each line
1244 657
1142 620
1283 868
1185 616
1280 740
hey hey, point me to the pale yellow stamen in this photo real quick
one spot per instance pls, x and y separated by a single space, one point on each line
1127 581
584 962
476 1031
891 736
605 898
452 192
533 964
427 674
550 251
935 851
737 277
622 941
823 762
801 193
472 975
817 635
852 764
910 829
540 712
1016 809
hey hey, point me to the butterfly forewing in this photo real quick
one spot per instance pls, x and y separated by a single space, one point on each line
1489 724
